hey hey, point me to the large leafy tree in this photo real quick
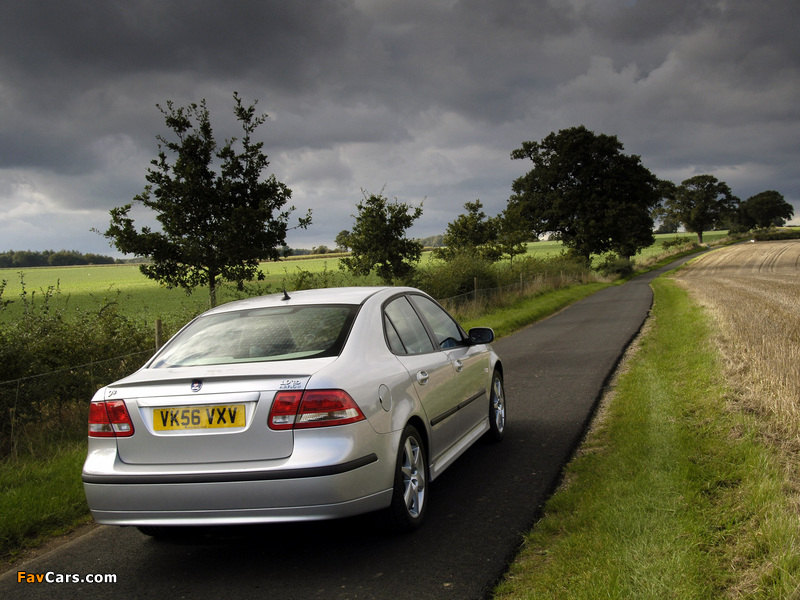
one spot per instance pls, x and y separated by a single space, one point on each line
587 192
219 215
378 239
701 203
764 210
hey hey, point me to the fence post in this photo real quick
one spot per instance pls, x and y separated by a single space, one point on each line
159 334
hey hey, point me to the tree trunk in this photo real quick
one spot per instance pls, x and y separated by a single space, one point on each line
212 289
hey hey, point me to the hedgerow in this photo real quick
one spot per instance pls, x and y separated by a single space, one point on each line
51 364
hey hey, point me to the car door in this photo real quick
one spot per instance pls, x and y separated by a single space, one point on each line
429 368
470 363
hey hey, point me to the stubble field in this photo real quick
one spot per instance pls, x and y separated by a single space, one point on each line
753 292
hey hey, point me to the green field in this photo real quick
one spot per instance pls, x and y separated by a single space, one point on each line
89 288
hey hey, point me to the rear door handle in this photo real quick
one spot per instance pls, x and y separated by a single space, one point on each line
422 377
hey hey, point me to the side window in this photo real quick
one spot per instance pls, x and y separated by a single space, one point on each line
403 325
446 331
395 344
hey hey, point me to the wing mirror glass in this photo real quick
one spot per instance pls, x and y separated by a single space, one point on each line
481 335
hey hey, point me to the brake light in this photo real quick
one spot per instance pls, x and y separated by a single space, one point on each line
109 419
313 408
284 410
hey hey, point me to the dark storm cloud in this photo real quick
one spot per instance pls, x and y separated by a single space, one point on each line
69 66
120 38
425 98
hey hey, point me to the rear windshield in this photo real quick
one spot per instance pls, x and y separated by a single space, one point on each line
264 334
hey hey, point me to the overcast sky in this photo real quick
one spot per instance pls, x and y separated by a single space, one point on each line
424 99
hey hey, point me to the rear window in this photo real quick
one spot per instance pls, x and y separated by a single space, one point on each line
264 334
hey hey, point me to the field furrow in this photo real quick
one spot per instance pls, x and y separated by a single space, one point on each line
753 291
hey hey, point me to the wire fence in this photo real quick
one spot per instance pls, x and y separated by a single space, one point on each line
479 299
55 405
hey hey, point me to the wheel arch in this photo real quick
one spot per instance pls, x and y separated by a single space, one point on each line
498 366
418 424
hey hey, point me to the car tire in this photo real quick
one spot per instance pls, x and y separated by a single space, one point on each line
165 532
410 494
156 532
497 409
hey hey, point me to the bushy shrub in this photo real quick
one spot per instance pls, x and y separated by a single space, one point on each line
50 366
763 235
612 265
457 276
303 279
461 276
564 265
676 242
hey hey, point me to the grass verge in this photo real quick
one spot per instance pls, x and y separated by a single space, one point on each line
673 495
40 498
525 311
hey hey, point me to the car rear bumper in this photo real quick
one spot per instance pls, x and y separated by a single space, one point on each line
237 498
243 516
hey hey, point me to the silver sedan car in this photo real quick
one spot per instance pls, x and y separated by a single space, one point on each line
317 404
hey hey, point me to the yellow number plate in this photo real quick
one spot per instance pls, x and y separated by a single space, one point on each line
198 417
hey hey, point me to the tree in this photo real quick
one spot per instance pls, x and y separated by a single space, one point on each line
488 238
701 203
668 226
764 210
584 190
216 211
342 241
378 239
470 234
512 234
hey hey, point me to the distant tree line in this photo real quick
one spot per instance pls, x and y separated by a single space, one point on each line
434 241
51 258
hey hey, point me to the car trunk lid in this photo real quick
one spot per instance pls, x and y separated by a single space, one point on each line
202 415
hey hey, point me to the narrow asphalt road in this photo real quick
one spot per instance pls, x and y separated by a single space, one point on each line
555 372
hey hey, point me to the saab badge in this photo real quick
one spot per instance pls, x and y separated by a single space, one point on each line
197 385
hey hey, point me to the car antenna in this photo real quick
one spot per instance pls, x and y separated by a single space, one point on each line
285 295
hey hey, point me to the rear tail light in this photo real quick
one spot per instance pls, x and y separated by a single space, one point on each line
313 408
109 419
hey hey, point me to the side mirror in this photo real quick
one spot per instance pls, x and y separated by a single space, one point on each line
481 335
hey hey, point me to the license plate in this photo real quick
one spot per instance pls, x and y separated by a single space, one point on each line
198 417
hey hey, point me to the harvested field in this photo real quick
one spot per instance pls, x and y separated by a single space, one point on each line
753 291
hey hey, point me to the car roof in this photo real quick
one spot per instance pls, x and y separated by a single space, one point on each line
343 295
